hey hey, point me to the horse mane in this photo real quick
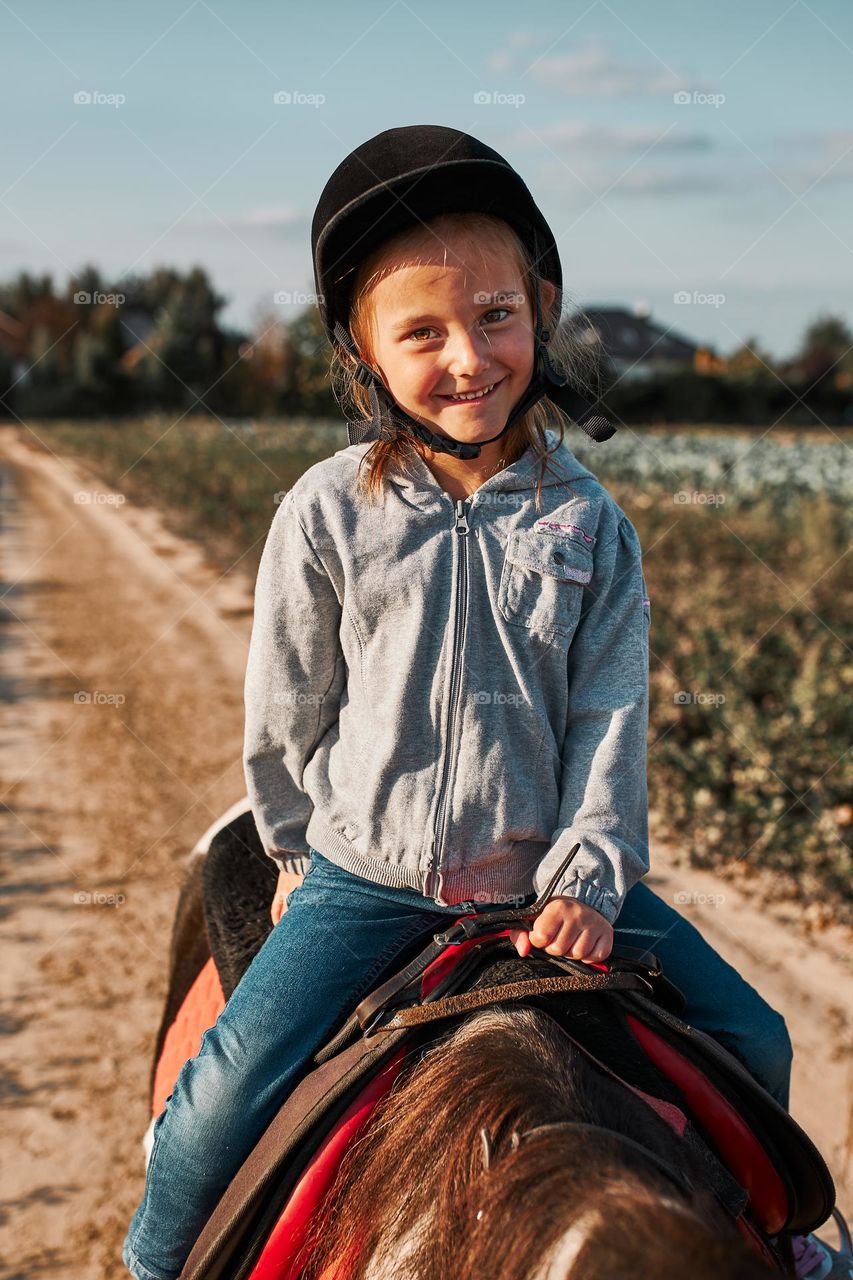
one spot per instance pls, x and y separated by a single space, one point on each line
414 1198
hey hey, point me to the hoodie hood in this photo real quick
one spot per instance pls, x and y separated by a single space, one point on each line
520 475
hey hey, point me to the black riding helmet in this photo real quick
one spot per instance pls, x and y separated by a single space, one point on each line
406 176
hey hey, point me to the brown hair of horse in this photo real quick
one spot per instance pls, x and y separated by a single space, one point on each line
414 1199
570 353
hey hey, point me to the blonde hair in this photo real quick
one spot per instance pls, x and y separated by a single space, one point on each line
568 353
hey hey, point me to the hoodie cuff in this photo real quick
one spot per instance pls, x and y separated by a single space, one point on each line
293 863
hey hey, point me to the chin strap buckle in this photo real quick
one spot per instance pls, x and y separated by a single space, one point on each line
364 375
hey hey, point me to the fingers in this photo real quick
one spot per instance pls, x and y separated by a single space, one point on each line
603 946
545 930
566 941
585 945
594 945
584 936
581 934
520 939
581 943
552 935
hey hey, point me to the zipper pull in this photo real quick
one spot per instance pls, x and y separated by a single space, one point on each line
461 521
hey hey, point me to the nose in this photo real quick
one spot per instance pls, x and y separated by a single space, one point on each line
469 352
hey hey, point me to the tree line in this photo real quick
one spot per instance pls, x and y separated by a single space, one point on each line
157 343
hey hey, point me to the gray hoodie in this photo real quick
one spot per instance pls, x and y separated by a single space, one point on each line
446 695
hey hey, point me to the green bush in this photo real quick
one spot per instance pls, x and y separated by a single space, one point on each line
751 701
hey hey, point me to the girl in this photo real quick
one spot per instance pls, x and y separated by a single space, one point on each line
447 682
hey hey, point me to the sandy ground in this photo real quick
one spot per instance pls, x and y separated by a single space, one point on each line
122 666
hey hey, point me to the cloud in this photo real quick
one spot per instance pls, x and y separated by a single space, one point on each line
579 186
279 218
656 182
593 71
833 142
829 158
590 70
504 59
580 136
524 39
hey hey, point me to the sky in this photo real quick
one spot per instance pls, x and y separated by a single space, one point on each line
695 160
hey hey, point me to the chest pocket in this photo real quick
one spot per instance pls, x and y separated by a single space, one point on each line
542 582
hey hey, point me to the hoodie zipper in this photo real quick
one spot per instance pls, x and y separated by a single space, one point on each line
434 858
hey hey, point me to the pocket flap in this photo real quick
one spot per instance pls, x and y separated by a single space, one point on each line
561 557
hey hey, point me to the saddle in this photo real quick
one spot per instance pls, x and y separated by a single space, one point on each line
623 1014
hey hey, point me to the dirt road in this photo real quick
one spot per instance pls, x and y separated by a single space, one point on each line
122 666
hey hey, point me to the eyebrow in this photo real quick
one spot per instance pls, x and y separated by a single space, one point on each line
502 296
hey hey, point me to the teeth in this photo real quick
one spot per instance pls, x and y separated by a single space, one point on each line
474 395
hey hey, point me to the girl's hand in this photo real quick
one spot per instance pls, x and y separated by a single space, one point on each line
566 927
287 881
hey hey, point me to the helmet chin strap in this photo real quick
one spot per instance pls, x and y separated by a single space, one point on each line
389 419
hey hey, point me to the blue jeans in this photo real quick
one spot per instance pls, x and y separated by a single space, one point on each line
330 948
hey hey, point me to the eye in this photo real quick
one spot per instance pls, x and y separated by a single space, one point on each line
500 312
495 311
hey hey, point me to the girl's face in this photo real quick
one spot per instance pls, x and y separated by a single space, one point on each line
457 324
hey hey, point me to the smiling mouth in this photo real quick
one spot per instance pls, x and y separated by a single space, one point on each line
473 397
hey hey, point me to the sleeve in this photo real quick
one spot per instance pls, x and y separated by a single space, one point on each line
294 679
603 791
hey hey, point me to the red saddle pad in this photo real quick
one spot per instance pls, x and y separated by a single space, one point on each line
202 1006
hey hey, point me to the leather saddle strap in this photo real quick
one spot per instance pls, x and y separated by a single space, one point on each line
381 996
465 927
481 996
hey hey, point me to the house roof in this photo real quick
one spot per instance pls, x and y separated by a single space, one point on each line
627 335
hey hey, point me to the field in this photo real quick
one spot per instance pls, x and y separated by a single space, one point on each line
746 539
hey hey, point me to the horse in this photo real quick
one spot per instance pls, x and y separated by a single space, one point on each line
513 1156
504 1144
